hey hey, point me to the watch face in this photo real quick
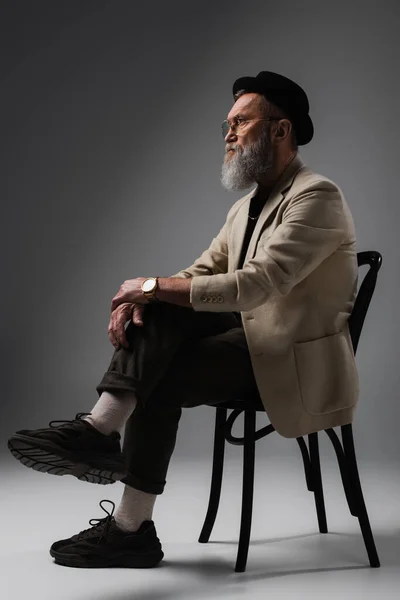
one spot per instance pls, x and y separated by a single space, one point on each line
148 285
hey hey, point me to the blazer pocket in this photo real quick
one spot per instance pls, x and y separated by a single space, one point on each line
327 373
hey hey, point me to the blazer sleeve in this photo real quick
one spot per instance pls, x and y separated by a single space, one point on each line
313 226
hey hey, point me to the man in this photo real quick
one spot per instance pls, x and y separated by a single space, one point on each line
263 311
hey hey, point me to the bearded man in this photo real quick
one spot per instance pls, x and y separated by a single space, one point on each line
261 314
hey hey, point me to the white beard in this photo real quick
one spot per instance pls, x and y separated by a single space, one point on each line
244 167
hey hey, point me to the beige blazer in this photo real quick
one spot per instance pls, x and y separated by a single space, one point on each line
295 292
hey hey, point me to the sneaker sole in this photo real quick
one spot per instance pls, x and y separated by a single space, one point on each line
133 561
47 458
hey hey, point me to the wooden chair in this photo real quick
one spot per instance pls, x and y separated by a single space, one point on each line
345 454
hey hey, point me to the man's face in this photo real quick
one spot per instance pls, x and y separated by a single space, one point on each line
249 152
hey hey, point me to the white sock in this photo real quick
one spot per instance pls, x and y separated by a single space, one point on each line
111 411
135 507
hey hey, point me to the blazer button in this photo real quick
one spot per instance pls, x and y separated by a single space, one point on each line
220 299
214 299
203 298
209 299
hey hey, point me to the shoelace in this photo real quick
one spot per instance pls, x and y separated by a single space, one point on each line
102 524
78 416
114 435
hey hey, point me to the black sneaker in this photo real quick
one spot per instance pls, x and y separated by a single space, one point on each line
73 448
106 545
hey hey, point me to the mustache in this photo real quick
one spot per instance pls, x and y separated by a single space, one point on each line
232 147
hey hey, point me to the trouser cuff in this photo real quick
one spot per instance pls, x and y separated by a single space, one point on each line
142 485
114 381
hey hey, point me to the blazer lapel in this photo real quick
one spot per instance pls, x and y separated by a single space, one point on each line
239 225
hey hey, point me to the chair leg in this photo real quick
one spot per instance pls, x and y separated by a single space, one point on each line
216 478
354 479
317 482
247 489
344 471
306 462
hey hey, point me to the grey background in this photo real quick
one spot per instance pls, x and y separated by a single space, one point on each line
111 157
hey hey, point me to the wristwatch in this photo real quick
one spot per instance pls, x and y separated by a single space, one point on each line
149 287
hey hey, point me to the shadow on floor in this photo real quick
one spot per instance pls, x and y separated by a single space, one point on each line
215 576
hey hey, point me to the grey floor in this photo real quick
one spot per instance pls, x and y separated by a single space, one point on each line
288 558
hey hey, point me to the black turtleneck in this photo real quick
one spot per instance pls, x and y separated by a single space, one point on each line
255 208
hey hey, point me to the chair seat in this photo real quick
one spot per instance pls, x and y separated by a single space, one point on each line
251 402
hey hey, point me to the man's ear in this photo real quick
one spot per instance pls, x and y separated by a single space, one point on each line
284 128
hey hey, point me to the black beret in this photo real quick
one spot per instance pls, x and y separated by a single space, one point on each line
287 95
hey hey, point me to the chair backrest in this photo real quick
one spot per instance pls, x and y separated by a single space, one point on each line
364 295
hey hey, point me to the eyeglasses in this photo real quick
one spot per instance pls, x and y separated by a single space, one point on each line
238 123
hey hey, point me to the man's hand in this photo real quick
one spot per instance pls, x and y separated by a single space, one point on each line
123 313
130 291
176 290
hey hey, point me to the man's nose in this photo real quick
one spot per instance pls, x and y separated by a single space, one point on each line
230 136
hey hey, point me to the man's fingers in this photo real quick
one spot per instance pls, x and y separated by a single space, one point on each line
137 314
122 314
120 331
112 337
118 320
116 330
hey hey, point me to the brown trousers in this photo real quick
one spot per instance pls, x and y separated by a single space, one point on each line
178 358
